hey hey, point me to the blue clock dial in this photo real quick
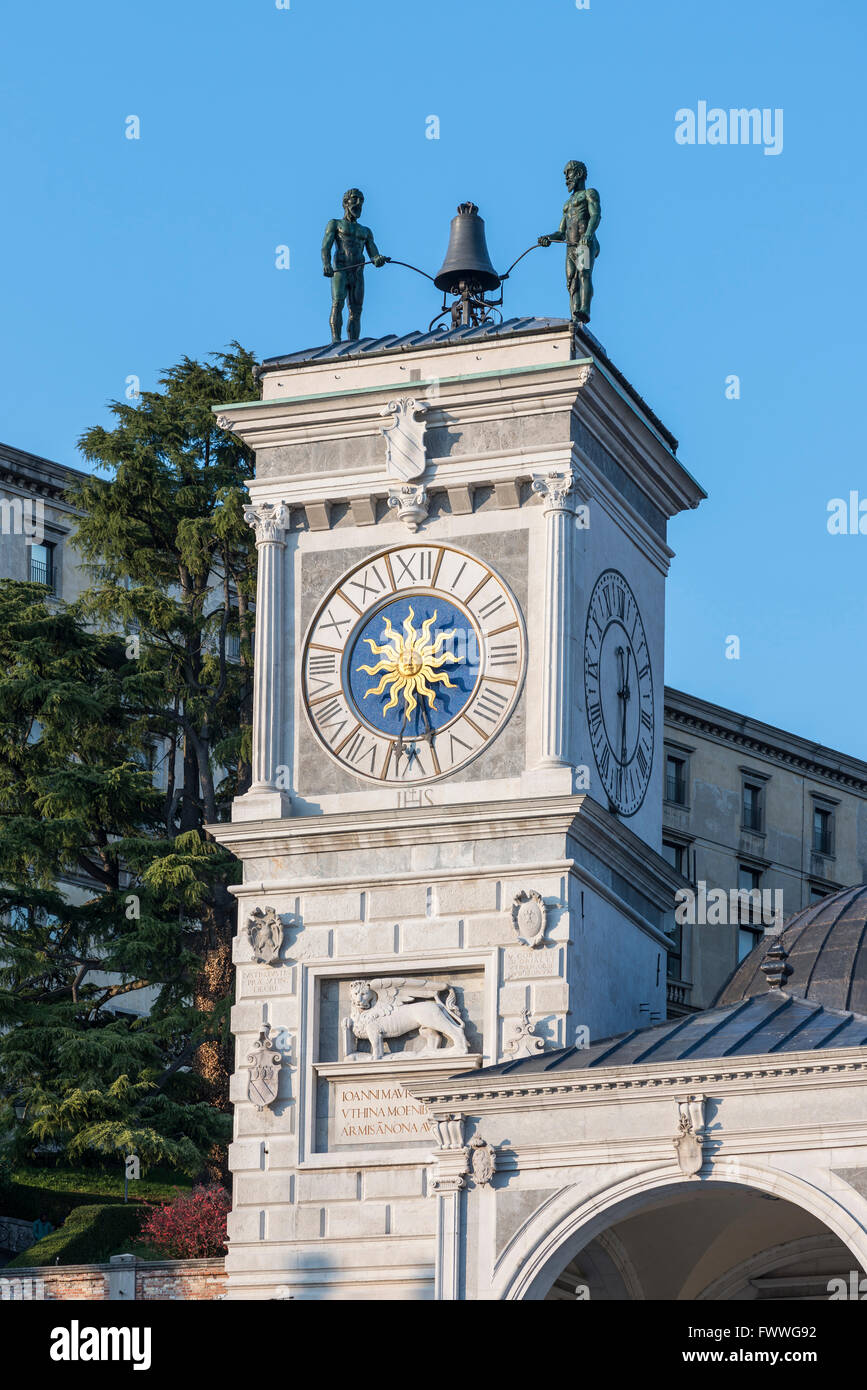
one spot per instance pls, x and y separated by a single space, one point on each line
413 665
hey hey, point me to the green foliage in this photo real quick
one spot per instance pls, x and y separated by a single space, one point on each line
89 1235
110 884
80 826
174 564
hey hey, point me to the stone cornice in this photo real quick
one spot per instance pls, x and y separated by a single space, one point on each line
577 817
739 731
829 1067
461 400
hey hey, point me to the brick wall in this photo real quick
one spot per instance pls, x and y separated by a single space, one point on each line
164 1279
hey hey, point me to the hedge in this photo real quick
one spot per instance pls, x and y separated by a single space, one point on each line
89 1235
29 1202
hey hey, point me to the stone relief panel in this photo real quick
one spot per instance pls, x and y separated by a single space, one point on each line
395 1022
387 1009
372 1031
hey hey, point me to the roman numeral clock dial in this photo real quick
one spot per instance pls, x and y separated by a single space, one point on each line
413 664
618 690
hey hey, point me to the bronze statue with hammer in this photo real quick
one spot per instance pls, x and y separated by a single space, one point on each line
581 216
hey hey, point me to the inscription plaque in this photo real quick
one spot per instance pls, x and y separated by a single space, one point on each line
376 1112
523 963
265 981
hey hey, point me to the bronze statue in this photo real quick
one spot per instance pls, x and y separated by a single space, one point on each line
581 216
347 272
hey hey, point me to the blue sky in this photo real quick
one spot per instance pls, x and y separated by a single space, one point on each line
121 255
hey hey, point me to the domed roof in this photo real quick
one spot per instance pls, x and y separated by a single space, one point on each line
827 955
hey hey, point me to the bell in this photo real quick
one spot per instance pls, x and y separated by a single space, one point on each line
467 256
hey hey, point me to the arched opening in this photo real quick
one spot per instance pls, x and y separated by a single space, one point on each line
719 1242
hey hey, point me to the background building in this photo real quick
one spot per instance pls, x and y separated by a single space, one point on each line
746 805
36 524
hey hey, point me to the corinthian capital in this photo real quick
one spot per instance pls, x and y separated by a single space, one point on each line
268 519
557 489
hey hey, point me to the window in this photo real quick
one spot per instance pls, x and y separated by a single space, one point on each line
749 913
674 966
675 779
817 893
823 826
42 565
752 806
676 855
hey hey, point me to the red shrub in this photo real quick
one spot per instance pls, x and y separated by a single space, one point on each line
192 1227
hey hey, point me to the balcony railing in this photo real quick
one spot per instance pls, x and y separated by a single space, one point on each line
678 991
42 572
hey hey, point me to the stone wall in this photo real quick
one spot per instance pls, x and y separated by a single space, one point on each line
154 1280
15 1234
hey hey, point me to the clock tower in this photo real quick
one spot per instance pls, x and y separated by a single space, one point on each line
451 847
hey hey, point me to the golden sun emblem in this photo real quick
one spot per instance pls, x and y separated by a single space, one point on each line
409 661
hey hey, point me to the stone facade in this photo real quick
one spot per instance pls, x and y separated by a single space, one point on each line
508 894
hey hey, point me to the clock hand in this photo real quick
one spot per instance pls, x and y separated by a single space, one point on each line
623 695
429 736
399 749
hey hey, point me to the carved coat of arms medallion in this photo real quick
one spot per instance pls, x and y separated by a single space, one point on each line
483 1160
530 917
404 438
264 1063
265 935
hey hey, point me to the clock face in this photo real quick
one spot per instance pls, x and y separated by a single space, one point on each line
618 686
413 663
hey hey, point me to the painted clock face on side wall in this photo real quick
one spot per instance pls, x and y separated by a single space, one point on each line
413 664
618 688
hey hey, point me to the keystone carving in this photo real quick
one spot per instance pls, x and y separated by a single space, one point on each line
690 1135
391 1008
529 917
264 931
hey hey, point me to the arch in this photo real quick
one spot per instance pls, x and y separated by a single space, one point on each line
560 1229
